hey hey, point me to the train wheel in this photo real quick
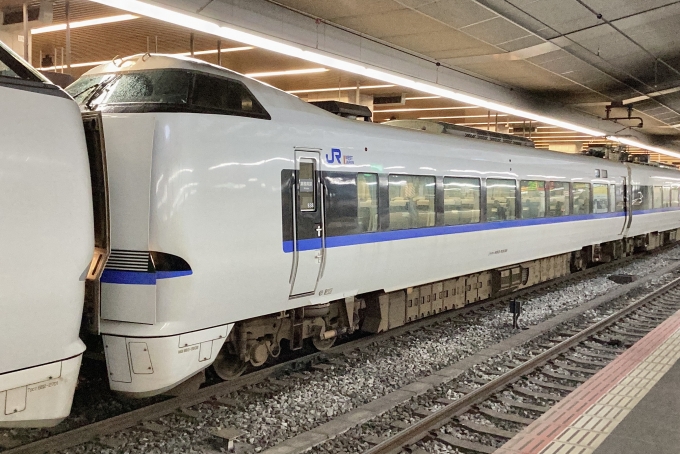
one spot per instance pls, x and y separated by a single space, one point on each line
323 345
228 366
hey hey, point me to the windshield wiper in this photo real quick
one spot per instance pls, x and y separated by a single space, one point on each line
98 90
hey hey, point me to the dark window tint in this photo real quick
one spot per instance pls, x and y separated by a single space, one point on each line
558 198
351 203
215 93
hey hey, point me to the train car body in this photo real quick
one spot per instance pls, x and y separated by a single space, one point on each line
46 239
243 214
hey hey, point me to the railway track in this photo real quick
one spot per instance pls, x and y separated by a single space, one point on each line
181 403
540 381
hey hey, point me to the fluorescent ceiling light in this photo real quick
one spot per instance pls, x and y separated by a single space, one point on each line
183 54
290 72
644 146
422 97
484 123
667 91
319 90
418 109
462 116
74 65
84 23
214 51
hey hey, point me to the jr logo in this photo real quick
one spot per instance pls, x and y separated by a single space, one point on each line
336 155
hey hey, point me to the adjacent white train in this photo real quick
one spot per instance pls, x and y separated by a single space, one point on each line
47 241
243 218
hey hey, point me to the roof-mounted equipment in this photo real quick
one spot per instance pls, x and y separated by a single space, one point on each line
345 109
440 127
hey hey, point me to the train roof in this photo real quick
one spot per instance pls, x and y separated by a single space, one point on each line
273 99
147 61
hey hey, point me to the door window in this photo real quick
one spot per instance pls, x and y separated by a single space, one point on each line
306 185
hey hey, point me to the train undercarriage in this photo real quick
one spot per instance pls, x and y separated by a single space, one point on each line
255 341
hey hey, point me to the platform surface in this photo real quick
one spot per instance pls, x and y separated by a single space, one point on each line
630 406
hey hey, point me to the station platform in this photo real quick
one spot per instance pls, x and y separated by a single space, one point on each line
630 406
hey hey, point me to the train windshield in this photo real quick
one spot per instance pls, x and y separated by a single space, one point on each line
166 87
169 90
11 67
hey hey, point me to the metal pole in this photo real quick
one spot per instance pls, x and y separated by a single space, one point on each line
357 95
156 51
25 11
496 121
219 52
148 45
191 44
62 60
68 36
488 120
40 62
55 60
530 129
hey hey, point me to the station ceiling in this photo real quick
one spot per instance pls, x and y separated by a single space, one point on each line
554 49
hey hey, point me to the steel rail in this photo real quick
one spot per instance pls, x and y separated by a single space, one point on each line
422 428
90 432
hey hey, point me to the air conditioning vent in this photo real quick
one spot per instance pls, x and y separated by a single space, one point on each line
387 100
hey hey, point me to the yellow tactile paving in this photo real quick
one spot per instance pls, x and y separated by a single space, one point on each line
598 419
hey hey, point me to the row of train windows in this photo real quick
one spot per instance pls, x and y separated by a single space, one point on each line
412 200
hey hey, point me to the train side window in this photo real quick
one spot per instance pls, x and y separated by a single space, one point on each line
620 205
642 197
666 196
675 195
581 195
532 198
558 198
411 201
367 198
600 198
500 199
461 200
225 96
351 203
612 198
658 194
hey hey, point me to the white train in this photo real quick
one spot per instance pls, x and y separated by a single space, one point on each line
243 217
47 241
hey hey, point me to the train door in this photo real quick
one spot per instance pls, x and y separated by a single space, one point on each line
627 202
309 236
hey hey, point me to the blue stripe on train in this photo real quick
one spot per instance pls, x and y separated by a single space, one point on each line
139 277
379 237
